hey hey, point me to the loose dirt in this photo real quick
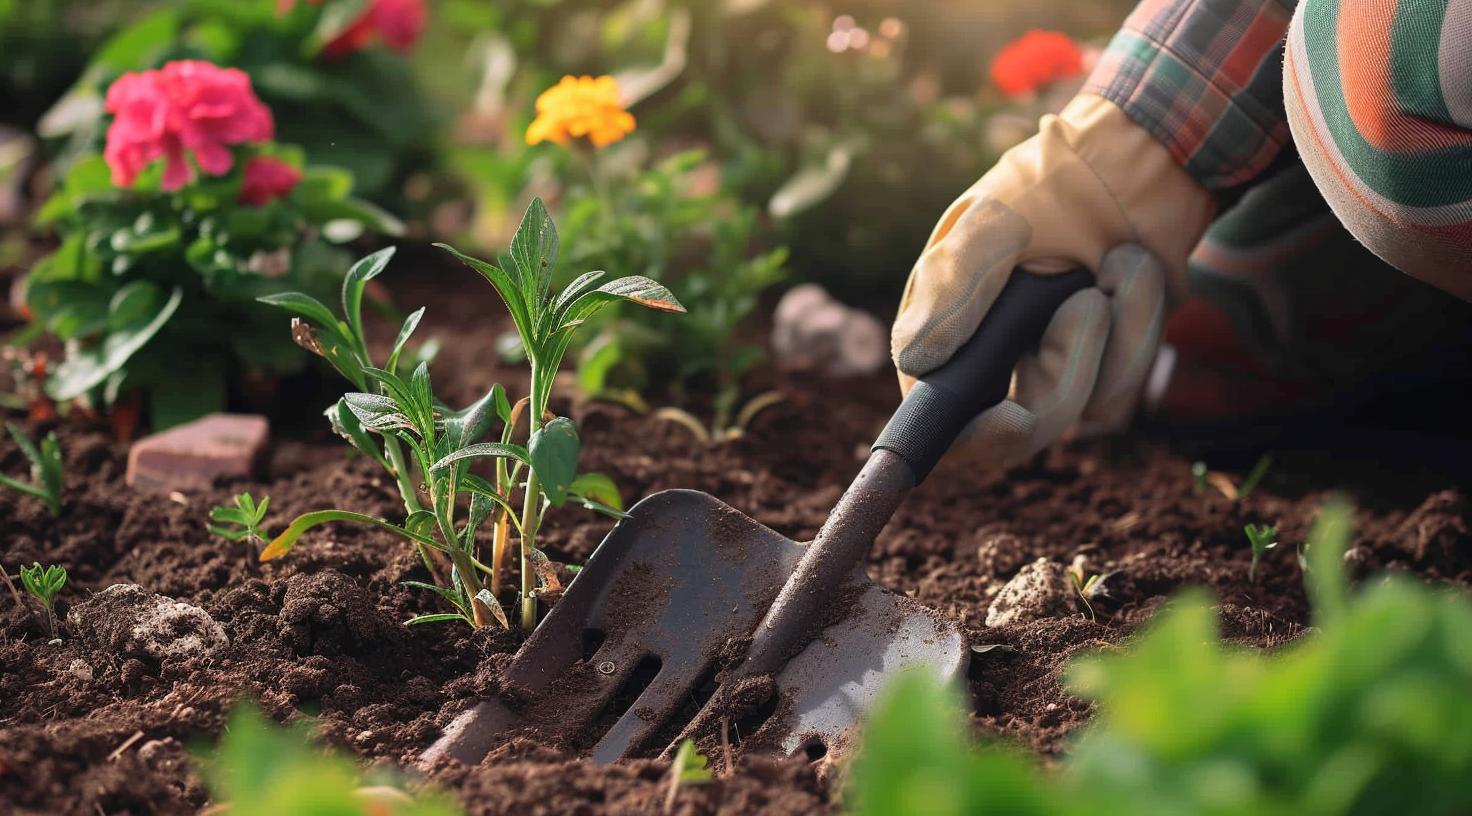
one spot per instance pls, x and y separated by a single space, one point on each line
318 633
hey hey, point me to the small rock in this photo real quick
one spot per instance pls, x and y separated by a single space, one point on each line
1041 589
814 332
193 455
1000 552
79 670
132 622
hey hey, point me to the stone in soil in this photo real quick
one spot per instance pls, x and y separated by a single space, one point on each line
130 621
193 455
814 332
1041 589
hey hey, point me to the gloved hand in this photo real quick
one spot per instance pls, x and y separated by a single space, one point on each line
1091 189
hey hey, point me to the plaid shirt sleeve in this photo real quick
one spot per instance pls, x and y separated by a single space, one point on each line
1206 78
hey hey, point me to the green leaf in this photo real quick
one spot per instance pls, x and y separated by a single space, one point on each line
448 594
85 370
534 249
405 332
366 269
481 451
283 543
439 617
598 487
378 413
507 284
690 767
346 425
635 288
554 450
306 306
472 422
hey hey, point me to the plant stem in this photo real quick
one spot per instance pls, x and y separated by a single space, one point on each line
410 494
531 518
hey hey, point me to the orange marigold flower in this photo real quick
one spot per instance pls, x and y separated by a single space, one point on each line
1035 59
579 107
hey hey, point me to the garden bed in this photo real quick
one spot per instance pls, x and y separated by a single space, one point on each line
84 731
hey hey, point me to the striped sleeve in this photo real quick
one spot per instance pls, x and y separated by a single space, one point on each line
1379 96
1205 78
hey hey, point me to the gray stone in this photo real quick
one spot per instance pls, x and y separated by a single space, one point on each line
813 332
1041 589
132 622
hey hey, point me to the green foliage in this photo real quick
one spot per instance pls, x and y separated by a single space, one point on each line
1368 714
545 325
428 447
262 770
241 522
1262 538
44 583
47 477
651 222
364 112
144 280
689 768
1254 476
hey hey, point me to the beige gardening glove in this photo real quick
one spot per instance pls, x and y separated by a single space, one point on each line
1092 189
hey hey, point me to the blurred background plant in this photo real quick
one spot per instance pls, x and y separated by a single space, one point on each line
153 287
769 142
1369 713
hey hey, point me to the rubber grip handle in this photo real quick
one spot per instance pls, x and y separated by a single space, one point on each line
979 374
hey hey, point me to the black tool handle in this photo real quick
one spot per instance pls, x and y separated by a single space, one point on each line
978 375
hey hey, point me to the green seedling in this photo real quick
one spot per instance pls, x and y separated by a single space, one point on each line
1262 538
429 447
262 770
546 325
1089 587
1185 723
241 522
46 469
1254 476
1198 477
690 768
44 583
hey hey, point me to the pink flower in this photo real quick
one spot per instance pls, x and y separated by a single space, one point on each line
398 24
266 179
187 105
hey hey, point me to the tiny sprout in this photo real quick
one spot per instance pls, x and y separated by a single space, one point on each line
44 583
1198 476
46 469
1254 477
690 767
241 522
1263 538
1089 587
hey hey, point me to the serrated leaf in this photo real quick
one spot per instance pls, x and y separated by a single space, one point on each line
554 450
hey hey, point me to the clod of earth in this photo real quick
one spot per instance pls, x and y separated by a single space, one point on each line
193 455
130 621
1041 589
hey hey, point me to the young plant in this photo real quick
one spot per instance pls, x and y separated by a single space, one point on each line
260 769
1089 587
47 477
1263 538
690 768
428 447
1254 477
241 522
545 325
44 583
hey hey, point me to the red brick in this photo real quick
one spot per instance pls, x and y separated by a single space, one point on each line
193 455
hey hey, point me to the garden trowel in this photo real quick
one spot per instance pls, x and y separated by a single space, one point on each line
692 620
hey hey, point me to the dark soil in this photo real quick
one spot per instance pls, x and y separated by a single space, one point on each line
85 730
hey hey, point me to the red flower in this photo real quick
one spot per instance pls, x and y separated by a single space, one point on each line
187 105
396 23
266 179
1035 59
